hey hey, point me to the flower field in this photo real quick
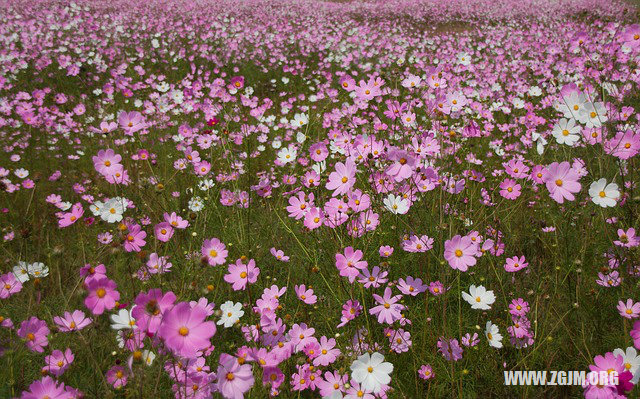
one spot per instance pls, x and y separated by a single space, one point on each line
319 199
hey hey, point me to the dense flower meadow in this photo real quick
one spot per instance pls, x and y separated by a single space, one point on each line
374 199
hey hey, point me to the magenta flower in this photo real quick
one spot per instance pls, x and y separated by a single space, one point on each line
426 372
234 379
518 307
460 252
117 376
635 334
402 166
515 264
102 295
350 310
214 251
185 331
327 352
134 240
69 218
387 310
628 238
150 308
562 181
163 231
35 332
47 387
450 349
131 122
385 251
9 285
58 362
240 274
72 321
107 162
343 178
629 310
350 263
306 295
279 254
411 286
509 189
175 221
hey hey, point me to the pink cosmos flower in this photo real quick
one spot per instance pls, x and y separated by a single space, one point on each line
426 372
279 254
175 221
234 379
58 362
628 238
402 166
509 189
35 332
185 331
134 240
629 310
318 152
305 295
350 310
327 352
459 252
350 263
69 218
9 285
72 321
102 295
450 349
237 82
163 231
411 286
47 387
131 122
387 310
562 181
332 384
117 376
343 178
150 308
624 145
214 251
635 334
518 307
107 162
515 264
385 251
240 274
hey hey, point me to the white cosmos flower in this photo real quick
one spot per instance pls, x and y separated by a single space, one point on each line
123 320
21 173
479 297
464 59
21 271
287 155
299 120
540 142
112 210
631 361
603 194
493 335
148 357
371 372
231 313
566 132
593 115
38 270
396 204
